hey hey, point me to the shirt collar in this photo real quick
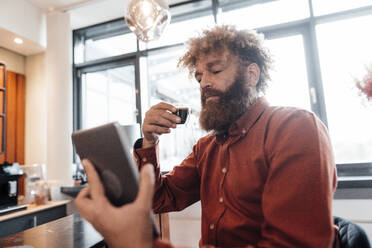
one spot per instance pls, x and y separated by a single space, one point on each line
241 126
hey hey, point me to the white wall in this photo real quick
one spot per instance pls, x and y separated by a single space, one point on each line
35 128
13 61
33 67
97 12
22 18
59 98
185 226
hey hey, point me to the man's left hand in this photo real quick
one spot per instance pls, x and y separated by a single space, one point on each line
126 226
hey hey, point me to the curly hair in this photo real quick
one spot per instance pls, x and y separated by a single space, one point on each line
247 45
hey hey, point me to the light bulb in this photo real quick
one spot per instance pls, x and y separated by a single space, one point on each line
147 18
18 40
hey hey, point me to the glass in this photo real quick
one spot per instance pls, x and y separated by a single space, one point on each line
169 84
147 18
263 14
34 183
111 46
323 7
41 192
345 50
179 32
289 83
183 111
108 96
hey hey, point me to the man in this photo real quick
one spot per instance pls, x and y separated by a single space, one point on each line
265 175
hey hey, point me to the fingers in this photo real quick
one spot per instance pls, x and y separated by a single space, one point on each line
146 189
158 120
165 106
163 118
83 194
155 129
96 188
84 203
161 114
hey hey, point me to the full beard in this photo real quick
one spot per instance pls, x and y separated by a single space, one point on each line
218 115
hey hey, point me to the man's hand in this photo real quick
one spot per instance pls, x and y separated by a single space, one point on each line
126 226
158 120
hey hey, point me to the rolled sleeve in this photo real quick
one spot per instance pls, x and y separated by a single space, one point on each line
176 190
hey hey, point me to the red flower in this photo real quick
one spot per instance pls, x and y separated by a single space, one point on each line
366 85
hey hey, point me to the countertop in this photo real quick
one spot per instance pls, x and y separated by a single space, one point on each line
70 231
33 208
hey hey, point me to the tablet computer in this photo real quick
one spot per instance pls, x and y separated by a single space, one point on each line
107 148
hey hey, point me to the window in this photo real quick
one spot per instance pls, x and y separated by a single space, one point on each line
322 7
97 48
345 52
319 49
103 41
168 84
262 13
181 27
109 95
179 32
289 84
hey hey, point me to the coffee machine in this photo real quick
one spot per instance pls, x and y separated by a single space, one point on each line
9 175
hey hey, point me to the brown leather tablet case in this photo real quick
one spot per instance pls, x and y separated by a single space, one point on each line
106 147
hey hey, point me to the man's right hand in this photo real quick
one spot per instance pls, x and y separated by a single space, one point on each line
158 120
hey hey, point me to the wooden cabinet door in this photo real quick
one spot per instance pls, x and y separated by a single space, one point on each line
20 117
15 117
2 114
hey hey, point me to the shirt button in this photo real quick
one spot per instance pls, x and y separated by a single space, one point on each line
220 200
144 159
244 131
224 170
211 226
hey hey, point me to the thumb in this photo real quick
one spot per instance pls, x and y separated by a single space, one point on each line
146 188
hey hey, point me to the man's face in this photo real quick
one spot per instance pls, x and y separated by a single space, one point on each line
215 72
225 94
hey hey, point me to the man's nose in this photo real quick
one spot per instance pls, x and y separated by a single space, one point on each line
205 82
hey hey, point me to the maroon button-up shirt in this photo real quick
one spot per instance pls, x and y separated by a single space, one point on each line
268 183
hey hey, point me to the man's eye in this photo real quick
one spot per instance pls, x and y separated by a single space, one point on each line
216 72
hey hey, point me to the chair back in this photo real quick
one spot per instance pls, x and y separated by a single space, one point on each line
349 235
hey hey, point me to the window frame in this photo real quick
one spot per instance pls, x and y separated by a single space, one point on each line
304 27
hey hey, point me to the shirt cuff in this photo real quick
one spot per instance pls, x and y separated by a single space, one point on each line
145 155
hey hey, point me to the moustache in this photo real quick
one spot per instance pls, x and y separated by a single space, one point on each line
209 92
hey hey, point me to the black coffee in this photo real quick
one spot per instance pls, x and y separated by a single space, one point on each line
182 113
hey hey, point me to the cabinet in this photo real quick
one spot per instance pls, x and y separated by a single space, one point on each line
12 115
32 219
2 110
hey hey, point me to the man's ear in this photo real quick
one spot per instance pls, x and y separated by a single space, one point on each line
253 74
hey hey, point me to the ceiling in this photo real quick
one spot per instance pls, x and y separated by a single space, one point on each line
49 5
85 13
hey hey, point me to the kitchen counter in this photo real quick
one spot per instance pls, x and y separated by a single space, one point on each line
33 208
33 216
69 231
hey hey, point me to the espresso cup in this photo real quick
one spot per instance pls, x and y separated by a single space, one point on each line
183 113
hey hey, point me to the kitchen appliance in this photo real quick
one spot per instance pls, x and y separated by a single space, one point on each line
9 175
